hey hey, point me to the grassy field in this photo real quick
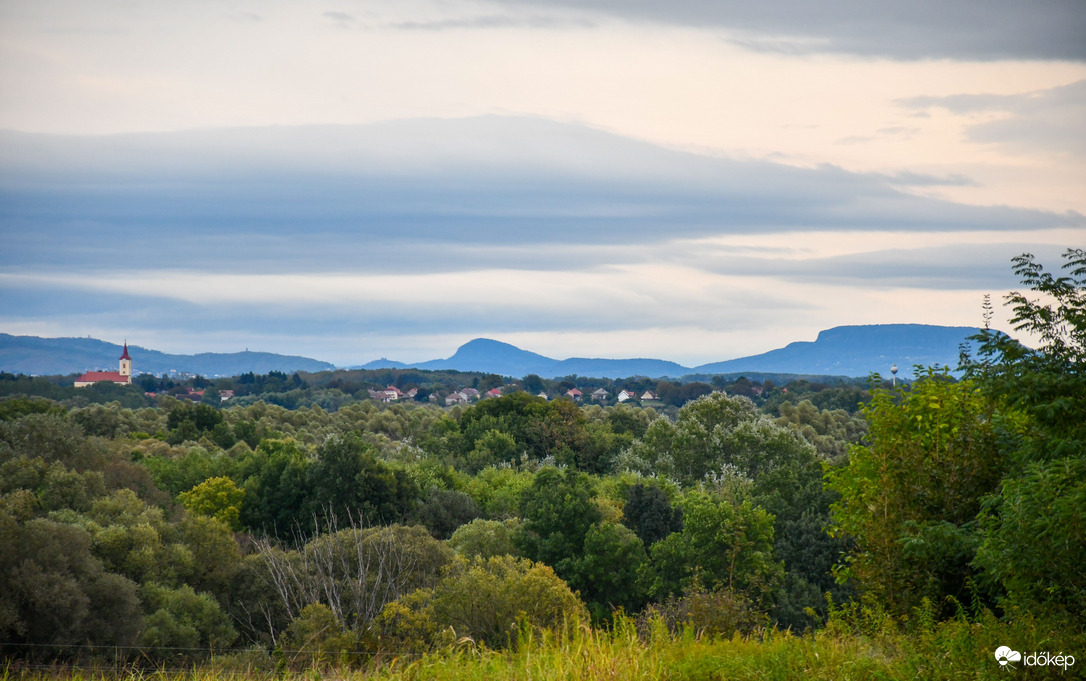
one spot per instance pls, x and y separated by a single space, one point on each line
858 647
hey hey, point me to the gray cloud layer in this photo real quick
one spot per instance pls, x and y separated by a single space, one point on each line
920 29
300 199
1053 120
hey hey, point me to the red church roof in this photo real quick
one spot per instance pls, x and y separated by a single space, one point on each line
125 355
96 376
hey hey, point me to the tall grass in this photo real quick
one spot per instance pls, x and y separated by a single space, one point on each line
855 645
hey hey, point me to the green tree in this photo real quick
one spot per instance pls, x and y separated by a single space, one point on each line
829 431
347 481
612 569
50 437
484 599
215 554
444 510
485 538
533 384
218 498
277 487
1033 540
53 590
493 447
316 639
182 618
557 512
187 421
649 513
713 435
910 497
724 544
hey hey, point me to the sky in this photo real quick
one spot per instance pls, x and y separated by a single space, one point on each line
692 181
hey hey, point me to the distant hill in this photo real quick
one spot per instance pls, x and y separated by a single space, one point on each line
61 356
491 356
855 351
380 364
858 351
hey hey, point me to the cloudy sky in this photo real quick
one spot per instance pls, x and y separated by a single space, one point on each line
688 180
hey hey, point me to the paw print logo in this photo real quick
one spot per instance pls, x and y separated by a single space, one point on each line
1004 655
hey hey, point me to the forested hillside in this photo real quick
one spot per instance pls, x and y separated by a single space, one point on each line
42 356
740 530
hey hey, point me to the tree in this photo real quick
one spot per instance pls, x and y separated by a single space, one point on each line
649 513
493 447
276 484
485 538
187 421
723 544
712 435
909 498
53 590
354 572
215 554
831 432
218 498
611 570
484 599
316 639
557 512
533 384
1033 541
51 437
135 540
348 481
1045 384
181 618
444 510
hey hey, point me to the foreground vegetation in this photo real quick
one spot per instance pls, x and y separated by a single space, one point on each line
911 535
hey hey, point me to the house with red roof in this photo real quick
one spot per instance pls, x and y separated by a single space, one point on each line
121 377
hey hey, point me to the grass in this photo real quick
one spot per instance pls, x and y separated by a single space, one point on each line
848 649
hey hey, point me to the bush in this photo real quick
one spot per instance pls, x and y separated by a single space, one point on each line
483 599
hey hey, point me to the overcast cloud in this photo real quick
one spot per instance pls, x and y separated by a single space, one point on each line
921 29
692 181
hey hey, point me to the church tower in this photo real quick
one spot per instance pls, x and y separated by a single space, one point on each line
126 364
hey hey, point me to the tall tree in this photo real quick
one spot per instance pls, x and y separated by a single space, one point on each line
909 497
1033 536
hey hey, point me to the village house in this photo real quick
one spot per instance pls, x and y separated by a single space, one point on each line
626 395
457 398
389 394
601 395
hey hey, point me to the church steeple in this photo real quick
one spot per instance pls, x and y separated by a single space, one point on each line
126 363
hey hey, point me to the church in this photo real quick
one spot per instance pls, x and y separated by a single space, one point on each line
122 377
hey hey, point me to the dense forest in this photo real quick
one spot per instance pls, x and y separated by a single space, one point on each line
719 531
